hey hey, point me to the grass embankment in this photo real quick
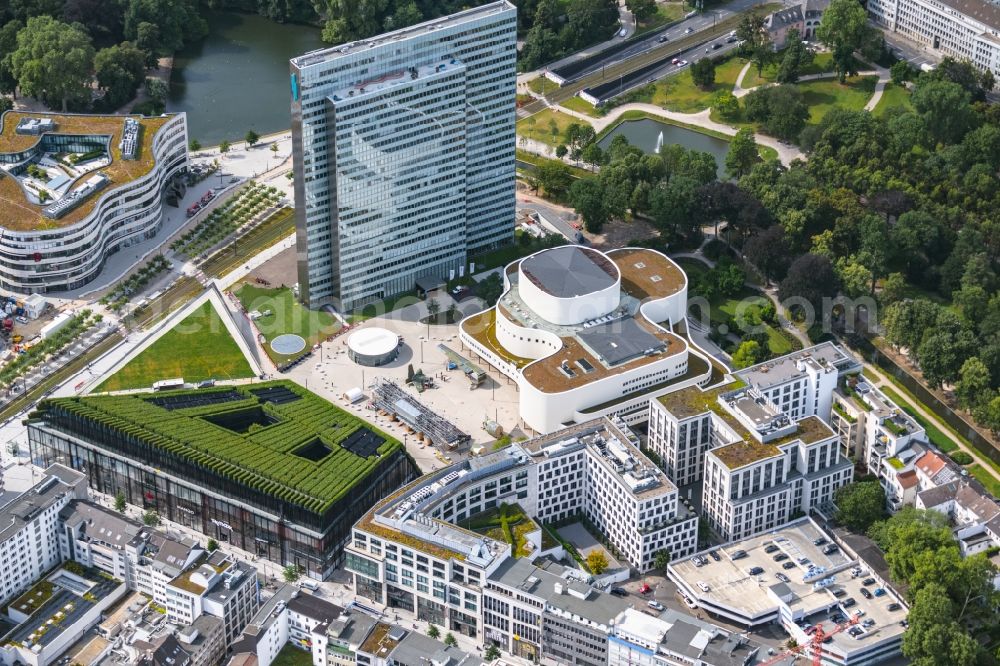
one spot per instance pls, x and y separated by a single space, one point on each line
666 12
197 348
547 126
580 105
287 315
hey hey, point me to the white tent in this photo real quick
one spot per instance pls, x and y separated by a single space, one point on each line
354 395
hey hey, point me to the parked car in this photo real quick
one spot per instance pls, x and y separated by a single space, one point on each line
21 320
655 605
868 581
689 602
868 623
715 555
782 577
819 542
737 555
780 557
830 550
839 592
894 607
770 549
756 571
703 586
865 593
788 565
619 591
848 602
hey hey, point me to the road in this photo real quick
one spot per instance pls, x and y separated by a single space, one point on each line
696 24
908 50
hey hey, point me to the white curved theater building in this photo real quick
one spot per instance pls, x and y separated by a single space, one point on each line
77 188
587 334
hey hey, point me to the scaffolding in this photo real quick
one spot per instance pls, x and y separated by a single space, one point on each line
389 397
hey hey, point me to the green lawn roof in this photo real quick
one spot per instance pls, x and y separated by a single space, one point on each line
264 457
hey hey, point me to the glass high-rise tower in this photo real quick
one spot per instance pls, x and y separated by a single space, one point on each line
403 151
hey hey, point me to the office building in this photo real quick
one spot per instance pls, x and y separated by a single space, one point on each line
28 529
587 334
403 151
963 29
75 189
269 467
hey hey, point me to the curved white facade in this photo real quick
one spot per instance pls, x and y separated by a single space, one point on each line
563 374
569 304
67 257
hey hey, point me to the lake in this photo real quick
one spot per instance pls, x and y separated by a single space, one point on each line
643 134
236 79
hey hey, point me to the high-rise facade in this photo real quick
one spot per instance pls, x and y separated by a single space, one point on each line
403 154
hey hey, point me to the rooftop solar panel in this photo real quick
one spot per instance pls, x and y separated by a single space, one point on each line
362 442
278 395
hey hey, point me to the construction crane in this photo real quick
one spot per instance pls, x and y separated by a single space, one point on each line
815 644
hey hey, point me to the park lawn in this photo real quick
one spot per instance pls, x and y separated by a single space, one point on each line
385 306
580 105
292 656
539 126
541 85
984 477
197 348
824 95
665 13
287 316
679 93
893 96
822 63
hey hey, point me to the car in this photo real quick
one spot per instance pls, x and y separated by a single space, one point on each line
703 586
655 605
788 565
661 39
688 31
576 225
868 623
848 602
780 557
894 607
715 556
689 602
619 591
839 592
756 571
866 593
782 577
21 320
859 613
737 555
855 631
879 592
770 549
828 639
830 550
682 63
716 46
868 581
730 40
804 561
645 588
708 49
819 541
622 32
675 61
837 618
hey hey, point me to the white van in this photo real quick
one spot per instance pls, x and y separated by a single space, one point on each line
309 584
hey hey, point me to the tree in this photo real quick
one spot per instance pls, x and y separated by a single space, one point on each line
743 153
860 505
8 43
274 148
661 559
157 91
844 28
747 354
671 205
643 10
291 573
433 308
150 518
592 154
788 112
433 631
810 278
119 71
974 383
561 150
194 145
797 57
756 40
944 107
492 652
251 138
176 22
53 61
703 73
726 104
597 562
587 21
555 178
587 197
901 72
768 250
906 322
944 347
893 289
224 147
120 502
212 545
490 289
450 640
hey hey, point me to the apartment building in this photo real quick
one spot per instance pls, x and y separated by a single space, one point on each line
403 151
75 189
29 526
673 639
962 29
219 586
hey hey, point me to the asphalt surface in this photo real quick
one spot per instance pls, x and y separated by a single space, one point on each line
907 50
697 23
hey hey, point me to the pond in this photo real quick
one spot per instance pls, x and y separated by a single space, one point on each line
644 134
236 79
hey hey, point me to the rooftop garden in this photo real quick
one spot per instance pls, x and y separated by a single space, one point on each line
894 428
507 523
281 313
895 463
262 456
740 454
843 413
32 600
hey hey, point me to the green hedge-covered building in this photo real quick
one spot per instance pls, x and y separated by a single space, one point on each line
269 467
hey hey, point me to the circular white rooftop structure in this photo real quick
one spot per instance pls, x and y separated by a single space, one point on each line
372 346
570 284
